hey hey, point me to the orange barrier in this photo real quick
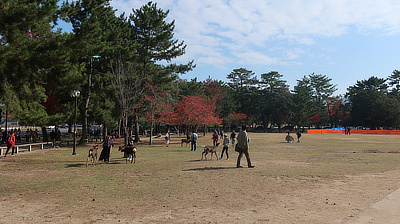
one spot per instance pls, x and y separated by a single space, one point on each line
353 131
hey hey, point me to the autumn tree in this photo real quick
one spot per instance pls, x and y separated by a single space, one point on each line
337 112
194 111
156 109
235 119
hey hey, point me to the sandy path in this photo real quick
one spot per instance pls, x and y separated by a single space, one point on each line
385 211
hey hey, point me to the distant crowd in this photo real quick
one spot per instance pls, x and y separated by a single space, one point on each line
30 135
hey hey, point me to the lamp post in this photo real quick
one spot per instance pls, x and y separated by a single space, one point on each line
75 94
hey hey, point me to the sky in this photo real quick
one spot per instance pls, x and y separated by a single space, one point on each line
346 40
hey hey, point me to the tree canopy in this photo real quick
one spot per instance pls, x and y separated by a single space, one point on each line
110 59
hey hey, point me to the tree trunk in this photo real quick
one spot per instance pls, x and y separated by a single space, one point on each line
151 134
137 137
124 122
86 107
104 133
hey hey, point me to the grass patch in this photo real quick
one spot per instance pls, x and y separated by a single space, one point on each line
164 176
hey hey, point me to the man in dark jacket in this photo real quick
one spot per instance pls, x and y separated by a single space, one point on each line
243 147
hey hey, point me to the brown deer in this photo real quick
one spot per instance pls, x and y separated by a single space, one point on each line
210 149
92 156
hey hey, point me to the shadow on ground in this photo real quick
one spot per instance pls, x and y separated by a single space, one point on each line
210 168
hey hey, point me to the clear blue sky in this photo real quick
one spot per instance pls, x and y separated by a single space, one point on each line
347 40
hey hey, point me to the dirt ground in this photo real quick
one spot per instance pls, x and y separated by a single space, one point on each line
195 191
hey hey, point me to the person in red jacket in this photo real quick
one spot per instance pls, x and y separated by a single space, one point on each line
11 144
215 138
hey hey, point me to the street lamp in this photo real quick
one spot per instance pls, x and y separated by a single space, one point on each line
75 94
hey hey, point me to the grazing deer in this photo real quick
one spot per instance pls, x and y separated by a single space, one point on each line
187 141
130 153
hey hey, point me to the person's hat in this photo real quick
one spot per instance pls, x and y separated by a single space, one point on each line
225 135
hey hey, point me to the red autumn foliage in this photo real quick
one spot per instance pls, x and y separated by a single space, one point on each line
315 119
52 104
157 110
194 110
335 110
213 90
236 118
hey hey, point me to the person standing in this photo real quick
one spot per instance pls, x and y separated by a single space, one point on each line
193 141
11 144
233 138
243 147
215 138
298 133
53 137
167 138
226 147
106 152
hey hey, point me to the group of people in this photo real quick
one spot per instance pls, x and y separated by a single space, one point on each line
242 145
13 136
290 139
347 131
30 135
55 135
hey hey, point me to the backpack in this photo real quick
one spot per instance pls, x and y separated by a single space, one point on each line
106 144
216 136
9 141
194 137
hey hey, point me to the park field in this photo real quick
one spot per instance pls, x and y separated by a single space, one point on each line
323 179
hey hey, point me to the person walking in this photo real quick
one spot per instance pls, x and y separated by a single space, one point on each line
226 147
11 144
215 138
193 141
233 138
243 147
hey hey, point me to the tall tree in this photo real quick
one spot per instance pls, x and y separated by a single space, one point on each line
241 82
33 61
157 109
274 96
362 96
156 43
320 89
302 104
92 28
394 83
